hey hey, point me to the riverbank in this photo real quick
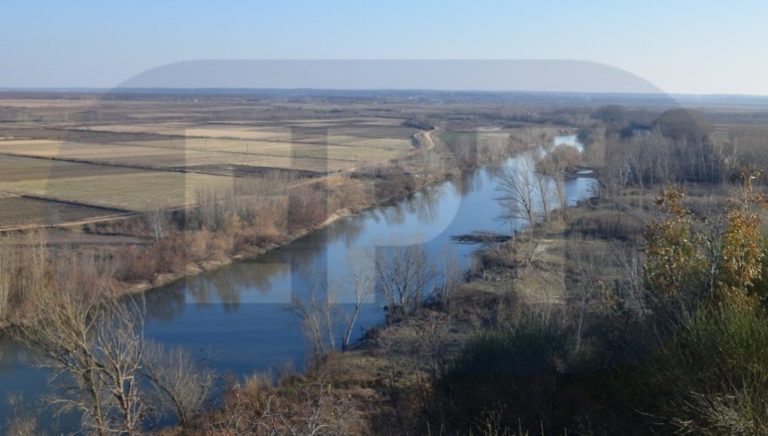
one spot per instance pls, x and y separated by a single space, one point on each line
385 380
428 145
204 312
366 195
421 177
429 164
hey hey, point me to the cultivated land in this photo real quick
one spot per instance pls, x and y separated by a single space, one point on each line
76 157
582 323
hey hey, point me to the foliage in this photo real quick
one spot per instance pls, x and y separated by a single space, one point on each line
741 258
675 262
514 369
711 377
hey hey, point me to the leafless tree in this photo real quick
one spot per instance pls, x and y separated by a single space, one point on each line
8 269
524 195
215 206
631 262
157 219
451 278
544 193
180 382
404 275
554 165
316 312
361 282
94 344
32 258
22 422
517 195
585 285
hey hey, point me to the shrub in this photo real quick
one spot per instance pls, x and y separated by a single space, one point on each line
135 264
297 406
712 377
514 369
392 182
307 207
608 225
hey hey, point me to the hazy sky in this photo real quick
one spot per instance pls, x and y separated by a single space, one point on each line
680 46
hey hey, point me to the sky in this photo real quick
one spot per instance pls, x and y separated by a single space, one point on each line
684 46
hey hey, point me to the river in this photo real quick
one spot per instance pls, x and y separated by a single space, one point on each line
234 318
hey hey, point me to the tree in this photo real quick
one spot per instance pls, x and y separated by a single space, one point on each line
675 265
361 282
741 258
517 195
451 278
554 165
684 263
93 341
181 384
94 345
524 195
157 219
316 313
8 270
404 274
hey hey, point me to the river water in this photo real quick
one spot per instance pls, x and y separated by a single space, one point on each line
235 320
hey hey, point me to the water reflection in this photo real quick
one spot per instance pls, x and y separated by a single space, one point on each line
167 303
235 315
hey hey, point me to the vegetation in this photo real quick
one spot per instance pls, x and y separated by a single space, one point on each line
662 335
624 315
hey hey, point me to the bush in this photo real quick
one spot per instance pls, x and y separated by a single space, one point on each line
392 182
297 406
307 207
514 371
608 225
712 377
135 264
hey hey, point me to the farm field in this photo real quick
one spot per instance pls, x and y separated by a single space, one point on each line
138 191
15 169
156 155
94 158
19 211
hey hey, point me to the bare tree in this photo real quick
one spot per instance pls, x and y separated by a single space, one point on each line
94 345
554 165
544 193
182 384
316 314
22 422
361 282
157 219
585 285
631 263
524 195
404 275
8 269
451 278
517 195
32 258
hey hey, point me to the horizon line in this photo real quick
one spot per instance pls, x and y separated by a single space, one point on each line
65 89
